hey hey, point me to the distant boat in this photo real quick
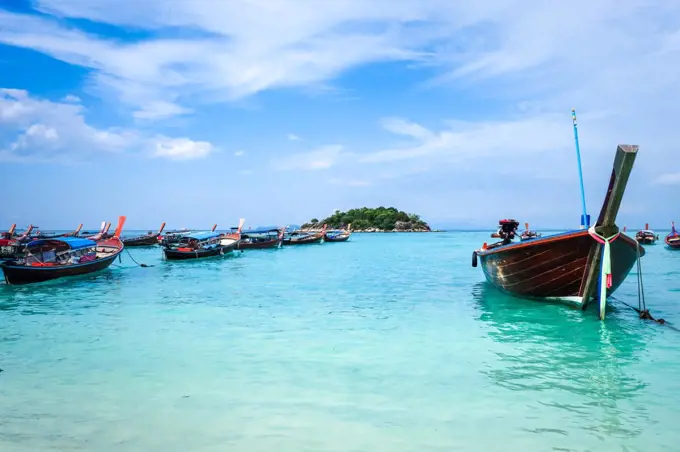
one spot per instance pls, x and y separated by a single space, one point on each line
101 234
56 257
11 245
673 239
197 245
338 235
567 266
304 238
41 235
148 239
646 236
173 237
528 234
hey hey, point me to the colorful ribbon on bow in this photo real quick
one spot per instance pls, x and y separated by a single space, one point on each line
606 266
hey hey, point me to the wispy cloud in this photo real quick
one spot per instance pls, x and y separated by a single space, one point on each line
239 153
293 137
669 179
43 130
181 148
245 172
473 140
348 182
71 98
322 158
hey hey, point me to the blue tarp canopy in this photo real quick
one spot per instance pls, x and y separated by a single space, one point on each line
260 230
74 243
203 235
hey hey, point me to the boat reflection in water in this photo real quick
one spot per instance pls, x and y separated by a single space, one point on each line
569 373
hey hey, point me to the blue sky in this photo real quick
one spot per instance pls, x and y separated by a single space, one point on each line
201 112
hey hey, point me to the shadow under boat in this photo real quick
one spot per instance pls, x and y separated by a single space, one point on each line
555 349
567 266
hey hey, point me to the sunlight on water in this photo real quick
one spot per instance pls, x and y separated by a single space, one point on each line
384 343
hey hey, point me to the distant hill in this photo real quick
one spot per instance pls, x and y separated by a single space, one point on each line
365 219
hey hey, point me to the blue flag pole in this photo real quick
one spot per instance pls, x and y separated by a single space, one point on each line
585 218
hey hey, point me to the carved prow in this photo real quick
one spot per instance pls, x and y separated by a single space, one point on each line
606 222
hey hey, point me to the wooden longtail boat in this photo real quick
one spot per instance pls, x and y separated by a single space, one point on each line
75 233
261 239
51 258
103 232
196 245
646 236
173 237
565 266
10 245
341 235
527 234
304 238
148 239
673 239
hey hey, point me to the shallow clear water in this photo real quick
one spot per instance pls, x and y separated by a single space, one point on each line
390 342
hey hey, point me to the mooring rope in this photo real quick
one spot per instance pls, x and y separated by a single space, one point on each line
642 310
133 260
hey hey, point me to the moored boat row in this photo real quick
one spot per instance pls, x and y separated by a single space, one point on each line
41 258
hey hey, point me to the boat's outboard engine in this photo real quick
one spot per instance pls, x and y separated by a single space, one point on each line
507 230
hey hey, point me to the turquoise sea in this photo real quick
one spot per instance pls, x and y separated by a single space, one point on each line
389 342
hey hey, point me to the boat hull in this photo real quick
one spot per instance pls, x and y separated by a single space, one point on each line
173 254
258 245
646 241
342 238
304 241
19 274
554 267
673 242
148 240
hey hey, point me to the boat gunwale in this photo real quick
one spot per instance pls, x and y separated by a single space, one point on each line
549 239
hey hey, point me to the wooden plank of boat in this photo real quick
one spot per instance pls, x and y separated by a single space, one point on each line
606 222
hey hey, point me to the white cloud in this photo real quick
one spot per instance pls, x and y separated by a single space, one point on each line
71 98
475 140
669 179
34 129
37 129
239 153
181 148
245 172
319 159
293 137
576 53
160 109
247 48
348 182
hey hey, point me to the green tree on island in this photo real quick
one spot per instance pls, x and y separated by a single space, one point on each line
384 218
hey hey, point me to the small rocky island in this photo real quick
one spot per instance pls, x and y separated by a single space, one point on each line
381 219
